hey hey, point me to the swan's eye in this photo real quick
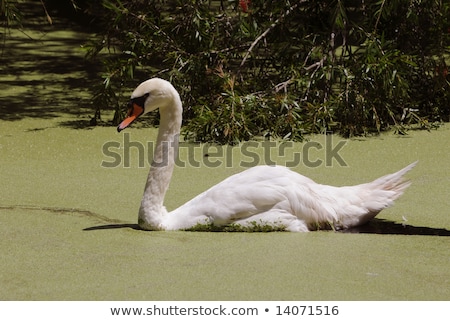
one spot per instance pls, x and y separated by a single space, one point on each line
140 101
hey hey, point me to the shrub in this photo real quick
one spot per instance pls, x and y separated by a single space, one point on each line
284 68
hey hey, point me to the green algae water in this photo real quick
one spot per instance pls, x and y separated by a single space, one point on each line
69 203
68 226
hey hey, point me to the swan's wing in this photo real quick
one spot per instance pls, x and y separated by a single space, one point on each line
255 191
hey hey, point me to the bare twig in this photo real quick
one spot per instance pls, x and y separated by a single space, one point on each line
283 85
49 19
379 16
273 25
316 64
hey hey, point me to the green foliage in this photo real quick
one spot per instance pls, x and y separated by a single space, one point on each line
284 68
252 227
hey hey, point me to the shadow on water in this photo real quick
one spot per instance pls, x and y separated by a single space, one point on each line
376 226
113 227
379 226
43 69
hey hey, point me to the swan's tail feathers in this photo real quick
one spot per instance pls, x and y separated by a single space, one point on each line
393 182
382 192
372 198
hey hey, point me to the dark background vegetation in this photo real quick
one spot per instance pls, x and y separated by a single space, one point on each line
272 68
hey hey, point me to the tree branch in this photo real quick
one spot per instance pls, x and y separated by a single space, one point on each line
273 25
49 19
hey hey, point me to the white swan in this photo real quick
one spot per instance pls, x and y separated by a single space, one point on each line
263 195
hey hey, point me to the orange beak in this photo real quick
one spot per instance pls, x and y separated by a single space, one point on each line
133 113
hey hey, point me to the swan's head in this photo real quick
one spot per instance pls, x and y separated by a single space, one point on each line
150 95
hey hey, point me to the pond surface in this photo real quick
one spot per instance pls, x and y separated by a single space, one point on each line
68 224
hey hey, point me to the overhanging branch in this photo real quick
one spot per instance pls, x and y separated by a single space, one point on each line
273 25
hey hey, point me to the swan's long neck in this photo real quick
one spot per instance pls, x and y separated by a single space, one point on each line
152 210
